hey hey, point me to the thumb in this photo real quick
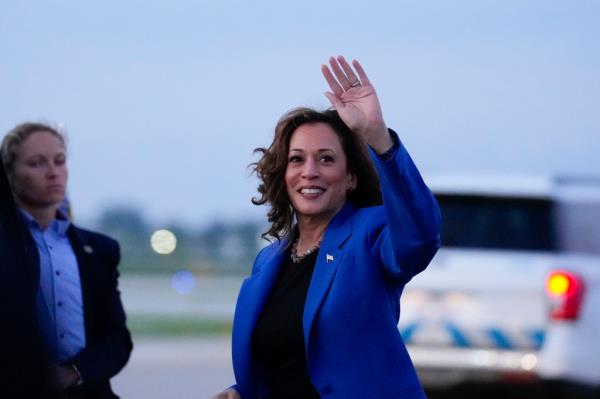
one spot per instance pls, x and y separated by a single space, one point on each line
337 104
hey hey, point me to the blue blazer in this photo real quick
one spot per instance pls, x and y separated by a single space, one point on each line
352 342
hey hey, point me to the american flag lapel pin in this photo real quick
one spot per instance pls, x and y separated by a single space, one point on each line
329 258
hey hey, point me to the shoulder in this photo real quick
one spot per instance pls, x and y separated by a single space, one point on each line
267 252
98 243
95 237
369 218
273 247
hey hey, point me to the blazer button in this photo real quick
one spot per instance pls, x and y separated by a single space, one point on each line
326 390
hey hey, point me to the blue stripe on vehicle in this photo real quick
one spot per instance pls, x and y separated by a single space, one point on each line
538 337
458 338
408 331
499 339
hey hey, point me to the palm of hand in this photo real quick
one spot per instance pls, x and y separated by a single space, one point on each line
360 108
355 100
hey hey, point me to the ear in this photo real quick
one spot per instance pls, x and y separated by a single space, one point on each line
352 182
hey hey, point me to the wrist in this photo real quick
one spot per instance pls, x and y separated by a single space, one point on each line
380 140
79 380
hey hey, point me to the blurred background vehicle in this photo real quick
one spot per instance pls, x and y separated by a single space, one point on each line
512 300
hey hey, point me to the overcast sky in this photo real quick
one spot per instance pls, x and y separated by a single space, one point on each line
163 102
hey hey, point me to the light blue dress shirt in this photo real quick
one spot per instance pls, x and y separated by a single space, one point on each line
59 299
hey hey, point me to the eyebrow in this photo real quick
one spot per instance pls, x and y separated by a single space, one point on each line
40 155
319 150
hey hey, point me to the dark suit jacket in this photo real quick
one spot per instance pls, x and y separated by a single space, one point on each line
21 358
352 342
108 342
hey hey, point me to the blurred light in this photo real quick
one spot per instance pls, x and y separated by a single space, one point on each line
558 284
183 282
416 296
455 298
163 242
529 361
567 290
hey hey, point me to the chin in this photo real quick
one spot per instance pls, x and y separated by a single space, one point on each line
315 213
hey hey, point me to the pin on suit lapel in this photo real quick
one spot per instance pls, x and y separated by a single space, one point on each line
322 278
329 258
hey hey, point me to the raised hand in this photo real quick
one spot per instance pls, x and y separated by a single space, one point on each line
356 102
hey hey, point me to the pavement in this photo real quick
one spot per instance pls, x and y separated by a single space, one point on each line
176 367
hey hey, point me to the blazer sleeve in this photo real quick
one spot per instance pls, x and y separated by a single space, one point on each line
21 352
406 236
105 357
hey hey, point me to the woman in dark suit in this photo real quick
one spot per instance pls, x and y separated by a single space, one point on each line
70 285
353 223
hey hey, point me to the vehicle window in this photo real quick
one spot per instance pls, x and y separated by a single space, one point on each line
497 223
578 226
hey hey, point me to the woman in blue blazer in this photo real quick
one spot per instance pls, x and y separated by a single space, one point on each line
352 225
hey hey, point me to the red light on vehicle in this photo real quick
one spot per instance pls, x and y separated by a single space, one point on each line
558 284
566 291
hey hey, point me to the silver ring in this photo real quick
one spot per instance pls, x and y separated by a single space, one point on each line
355 84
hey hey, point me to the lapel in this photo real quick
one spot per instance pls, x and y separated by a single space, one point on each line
255 292
84 254
330 256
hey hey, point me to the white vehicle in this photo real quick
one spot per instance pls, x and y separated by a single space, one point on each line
513 296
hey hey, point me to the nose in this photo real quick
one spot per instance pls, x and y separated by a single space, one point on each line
53 170
310 169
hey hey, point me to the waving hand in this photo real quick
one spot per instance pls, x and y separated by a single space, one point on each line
356 102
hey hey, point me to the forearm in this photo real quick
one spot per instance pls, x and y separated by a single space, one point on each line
413 218
105 358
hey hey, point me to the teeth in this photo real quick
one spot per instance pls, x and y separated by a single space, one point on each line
311 191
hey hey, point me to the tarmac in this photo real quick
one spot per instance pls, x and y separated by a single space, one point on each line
175 367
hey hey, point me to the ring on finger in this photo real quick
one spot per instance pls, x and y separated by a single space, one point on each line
355 84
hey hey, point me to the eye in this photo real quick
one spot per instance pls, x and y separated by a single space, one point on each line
326 159
60 161
36 162
295 159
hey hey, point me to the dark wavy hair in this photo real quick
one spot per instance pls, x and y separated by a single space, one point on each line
271 168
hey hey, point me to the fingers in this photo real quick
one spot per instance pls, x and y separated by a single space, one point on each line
361 73
339 74
228 394
335 101
333 84
350 76
343 77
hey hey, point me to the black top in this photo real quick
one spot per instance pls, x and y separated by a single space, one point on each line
278 341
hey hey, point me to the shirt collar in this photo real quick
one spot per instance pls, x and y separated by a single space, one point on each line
59 225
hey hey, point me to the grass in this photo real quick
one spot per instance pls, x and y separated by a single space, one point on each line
154 325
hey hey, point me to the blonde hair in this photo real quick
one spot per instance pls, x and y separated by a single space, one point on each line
17 135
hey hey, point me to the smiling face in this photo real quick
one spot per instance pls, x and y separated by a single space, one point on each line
317 177
39 176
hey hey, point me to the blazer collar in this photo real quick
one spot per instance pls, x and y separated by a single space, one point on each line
330 256
258 287
84 253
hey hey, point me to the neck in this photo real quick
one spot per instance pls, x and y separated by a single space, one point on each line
311 232
42 215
